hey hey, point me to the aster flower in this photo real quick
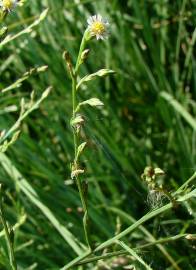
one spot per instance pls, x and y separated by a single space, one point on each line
98 27
8 5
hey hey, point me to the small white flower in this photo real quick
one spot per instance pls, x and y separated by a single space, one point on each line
98 27
8 5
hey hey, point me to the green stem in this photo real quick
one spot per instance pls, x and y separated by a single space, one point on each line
164 240
74 81
85 209
104 256
124 252
82 48
75 136
8 237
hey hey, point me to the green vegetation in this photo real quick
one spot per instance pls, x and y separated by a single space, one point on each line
140 152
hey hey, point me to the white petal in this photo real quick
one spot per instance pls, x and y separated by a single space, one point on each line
90 20
94 18
99 17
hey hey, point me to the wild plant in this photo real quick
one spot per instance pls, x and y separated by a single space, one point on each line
98 28
120 244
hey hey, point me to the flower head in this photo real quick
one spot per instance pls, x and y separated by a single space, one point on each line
98 27
8 5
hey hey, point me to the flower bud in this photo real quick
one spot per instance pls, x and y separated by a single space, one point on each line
68 60
84 55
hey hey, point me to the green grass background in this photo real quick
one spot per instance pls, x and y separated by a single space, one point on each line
148 119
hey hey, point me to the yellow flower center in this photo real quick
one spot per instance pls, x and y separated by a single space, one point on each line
98 28
8 4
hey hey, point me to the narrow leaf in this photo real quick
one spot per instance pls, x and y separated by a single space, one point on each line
180 109
80 149
100 73
94 102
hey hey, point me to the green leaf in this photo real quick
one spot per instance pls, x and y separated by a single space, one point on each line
180 109
80 150
100 73
94 102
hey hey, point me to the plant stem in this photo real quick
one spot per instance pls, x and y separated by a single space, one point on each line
85 209
76 144
104 256
124 252
74 78
82 47
164 240
7 236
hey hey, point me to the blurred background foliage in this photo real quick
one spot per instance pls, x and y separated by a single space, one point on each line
148 119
